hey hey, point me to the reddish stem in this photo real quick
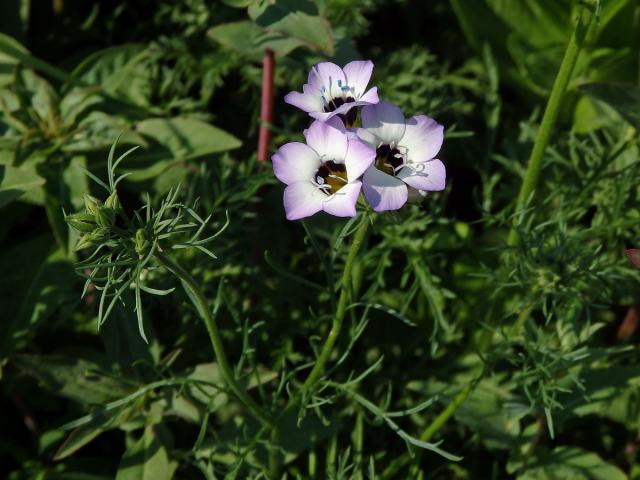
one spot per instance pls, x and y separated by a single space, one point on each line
266 105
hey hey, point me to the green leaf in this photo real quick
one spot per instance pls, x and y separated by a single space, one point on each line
51 287
568 462
15 181
547 21
8 62
121 71
73 378
625 99
176 140
146 459
297 19
101 420
249 40
239 3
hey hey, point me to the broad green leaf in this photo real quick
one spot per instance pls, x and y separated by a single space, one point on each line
239 3
146 459
52 286
120 70
19 265
249 40
541 23
74 378
187 138
8 62
177 140
77 103
297 19
101 421
15 181
568 463
625 99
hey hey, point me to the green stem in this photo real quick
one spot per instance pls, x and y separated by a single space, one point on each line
446 414
534 165
358 442
274 454
432 429
336 327
195 295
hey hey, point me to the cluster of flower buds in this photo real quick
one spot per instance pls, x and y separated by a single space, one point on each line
95 223
389 157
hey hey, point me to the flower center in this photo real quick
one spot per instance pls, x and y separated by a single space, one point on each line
389 159
348 96
331 177
348 118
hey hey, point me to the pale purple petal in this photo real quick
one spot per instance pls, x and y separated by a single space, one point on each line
423 138
328 140
343 202
358 74
429 175
359 157
302 199
321 116
368 137
324 79
304 101
342 109
385 121
370 97
294 162
383 191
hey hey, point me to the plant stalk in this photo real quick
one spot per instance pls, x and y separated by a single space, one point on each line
197 298
336 327
534 166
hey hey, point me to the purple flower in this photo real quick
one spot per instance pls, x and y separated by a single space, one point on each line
405 151
323 173
331 90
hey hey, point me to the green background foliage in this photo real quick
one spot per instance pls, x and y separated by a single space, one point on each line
538 339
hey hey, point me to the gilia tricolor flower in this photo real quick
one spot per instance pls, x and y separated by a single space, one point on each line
405 151
331 90
323 173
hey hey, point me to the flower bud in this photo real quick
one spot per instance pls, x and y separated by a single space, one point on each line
83 222
91 204
105 217
90 240
142 244
113 202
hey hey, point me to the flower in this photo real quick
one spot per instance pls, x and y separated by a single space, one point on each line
331 90
405 151
323 173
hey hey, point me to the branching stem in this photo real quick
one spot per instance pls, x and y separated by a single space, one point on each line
197 298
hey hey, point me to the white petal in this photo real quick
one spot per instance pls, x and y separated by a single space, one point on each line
327 78
304 101
302 199
369 138
385 121
383 191
343 202
328 140
359 157
371 96
294 162
358 74
429 175
423 138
